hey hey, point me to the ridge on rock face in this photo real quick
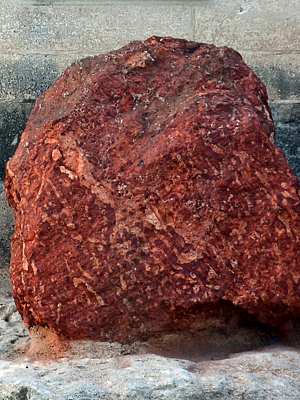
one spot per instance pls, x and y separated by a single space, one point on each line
148 191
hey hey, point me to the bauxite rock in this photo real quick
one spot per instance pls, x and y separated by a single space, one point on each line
147 191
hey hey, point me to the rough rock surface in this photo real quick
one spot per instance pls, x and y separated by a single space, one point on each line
149 195
271 374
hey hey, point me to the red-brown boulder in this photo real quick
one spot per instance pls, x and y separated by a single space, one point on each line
147 191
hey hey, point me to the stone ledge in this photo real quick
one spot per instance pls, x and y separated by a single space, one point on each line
269 374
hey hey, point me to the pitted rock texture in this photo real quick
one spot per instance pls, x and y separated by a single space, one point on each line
149 195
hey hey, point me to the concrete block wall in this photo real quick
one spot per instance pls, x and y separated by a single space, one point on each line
39 38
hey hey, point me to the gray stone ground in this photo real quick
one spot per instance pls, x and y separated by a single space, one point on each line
243 364
271 374
216 366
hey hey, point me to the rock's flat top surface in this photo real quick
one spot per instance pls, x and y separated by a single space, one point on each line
148 193
272 375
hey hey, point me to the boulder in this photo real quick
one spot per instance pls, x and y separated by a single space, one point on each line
149 197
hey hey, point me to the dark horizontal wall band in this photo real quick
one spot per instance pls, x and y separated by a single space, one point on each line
13 117
6 229
286 114
24 77
287 121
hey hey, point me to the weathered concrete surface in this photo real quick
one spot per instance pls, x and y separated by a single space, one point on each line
88 27
24 77
13 334
259 25
271 374
48 26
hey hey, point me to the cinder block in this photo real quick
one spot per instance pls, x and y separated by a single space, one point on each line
97 28
257 25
